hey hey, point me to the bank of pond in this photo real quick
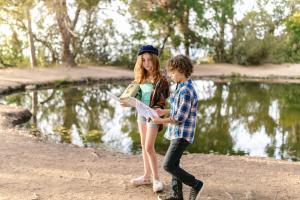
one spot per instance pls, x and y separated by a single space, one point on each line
234 118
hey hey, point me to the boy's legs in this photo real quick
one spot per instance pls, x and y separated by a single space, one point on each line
171 165
173 155
176 185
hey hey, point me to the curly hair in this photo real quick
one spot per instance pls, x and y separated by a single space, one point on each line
140 73
181 63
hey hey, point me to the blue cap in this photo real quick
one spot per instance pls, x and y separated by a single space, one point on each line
148 49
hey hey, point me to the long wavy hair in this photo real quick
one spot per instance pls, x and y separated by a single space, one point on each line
141 74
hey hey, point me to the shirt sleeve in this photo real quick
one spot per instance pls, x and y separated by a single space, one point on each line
182 113
162 94
139 94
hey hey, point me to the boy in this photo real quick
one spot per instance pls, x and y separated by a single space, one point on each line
181 128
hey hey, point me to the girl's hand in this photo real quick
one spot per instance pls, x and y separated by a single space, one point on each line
123 104
157 120
160 111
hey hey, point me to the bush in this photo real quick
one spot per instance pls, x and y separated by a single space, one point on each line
250 52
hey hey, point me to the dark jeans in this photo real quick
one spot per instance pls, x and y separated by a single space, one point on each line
171 165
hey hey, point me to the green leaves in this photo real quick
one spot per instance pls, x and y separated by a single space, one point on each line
87 4
293 28
174 17
210 26
293 24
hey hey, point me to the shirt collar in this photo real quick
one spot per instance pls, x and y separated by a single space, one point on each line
180 85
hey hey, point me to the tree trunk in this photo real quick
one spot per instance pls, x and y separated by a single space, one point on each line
34 107
64 22
184 29
161 49
220 48
186 45
187 31
30 39
222 42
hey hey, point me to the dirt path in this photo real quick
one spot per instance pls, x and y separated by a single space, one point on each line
12 79
33 170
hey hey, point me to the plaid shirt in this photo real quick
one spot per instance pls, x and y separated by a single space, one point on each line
183 112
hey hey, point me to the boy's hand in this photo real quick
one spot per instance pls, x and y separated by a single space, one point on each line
160 111
157 120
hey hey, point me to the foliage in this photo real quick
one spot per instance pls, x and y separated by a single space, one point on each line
256 43
223 14
94 50
176 28
11 53
72 31
293 27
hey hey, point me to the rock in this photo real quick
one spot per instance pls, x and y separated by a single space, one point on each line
11 116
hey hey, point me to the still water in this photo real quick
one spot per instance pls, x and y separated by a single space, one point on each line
234 118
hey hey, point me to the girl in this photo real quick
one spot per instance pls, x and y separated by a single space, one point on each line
154 90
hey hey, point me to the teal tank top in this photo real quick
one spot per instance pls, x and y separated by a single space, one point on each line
146 89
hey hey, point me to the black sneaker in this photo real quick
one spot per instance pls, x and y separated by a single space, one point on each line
196 190
168 197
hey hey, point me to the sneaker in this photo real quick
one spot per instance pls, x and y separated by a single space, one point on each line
168 197
196 190
140 181
157 186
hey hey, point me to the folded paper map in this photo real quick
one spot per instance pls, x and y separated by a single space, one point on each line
142 109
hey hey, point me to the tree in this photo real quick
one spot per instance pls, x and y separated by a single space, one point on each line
19 10
30 35
221 20
170 20
293 27
11 51
67 26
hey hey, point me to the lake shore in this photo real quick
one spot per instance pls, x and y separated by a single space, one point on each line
34 169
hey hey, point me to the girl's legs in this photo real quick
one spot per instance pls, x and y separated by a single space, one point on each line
148 135
143 133
150 151
151 134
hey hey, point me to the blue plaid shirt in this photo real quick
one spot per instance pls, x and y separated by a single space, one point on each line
183 112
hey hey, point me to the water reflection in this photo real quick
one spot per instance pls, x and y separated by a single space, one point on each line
255 119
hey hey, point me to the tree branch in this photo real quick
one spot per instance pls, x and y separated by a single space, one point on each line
77 13
48 45
86 32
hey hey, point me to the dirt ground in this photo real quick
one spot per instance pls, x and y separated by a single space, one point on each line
32 170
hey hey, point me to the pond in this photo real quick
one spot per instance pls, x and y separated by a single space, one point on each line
234 118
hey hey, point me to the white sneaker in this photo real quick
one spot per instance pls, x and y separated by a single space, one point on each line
157 186
140 181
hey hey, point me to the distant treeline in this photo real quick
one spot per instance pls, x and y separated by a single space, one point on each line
72 32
